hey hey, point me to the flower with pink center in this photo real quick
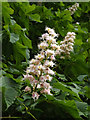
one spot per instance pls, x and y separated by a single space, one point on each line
31 77
42 78
27 89
26 76
52 57
46 85
37 72
44 36
46 91
49 71
35 96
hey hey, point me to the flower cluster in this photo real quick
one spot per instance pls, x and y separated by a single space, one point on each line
39 72
67 45
73 8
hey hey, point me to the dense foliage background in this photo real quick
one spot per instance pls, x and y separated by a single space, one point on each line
23 23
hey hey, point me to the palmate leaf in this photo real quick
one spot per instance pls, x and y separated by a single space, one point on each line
61 76
14 37
81 77
10 89
83 107
20 52
65 88
26 7
35 17
58 109
27 42
6 11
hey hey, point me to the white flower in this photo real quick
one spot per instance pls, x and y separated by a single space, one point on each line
44 36
62 57
35 96
46 91
67 45
48 77
42 78
27 89
26 76
39 56
50 39
70 44
38 86
43 45
49 63
77 23
77 4
39 67
34 61
51 72
57 52
49 52
50 31
73 8
52 57
28 70
54 46
71 40
46 85
39 72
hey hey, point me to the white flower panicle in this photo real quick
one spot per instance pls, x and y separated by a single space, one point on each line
73 8
39 72
67 45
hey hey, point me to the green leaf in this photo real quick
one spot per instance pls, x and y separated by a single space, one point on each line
61 109
6 11
83 107
10 95
10 92
26 7
81 77
35 17
30 8
65 88
61 76
14 37
78 42
27 42
19 52
70 108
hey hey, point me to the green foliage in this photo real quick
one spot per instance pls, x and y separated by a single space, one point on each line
10 91
23 24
